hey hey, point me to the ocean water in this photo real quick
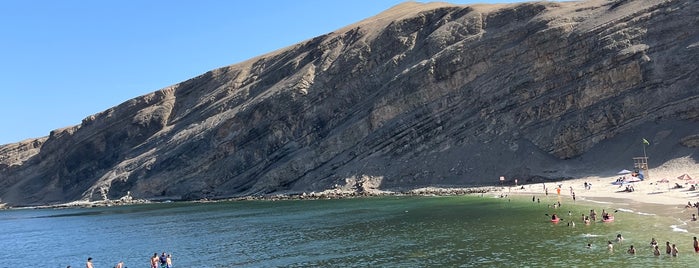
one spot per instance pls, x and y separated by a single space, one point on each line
457 231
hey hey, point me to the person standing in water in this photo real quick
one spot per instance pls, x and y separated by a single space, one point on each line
653 242
88 264
168 261
696 245
631 250
593 215
619 238
163 260
154 261
675 251
656 250
610 245
668 248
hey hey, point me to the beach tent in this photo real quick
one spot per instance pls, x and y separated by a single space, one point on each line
685 177
624 171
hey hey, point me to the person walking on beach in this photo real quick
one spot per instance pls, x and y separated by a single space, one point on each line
88 264
696 245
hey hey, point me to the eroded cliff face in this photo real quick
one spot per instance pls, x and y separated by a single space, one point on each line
422 94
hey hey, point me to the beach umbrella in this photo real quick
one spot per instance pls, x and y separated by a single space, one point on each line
685 177
624 171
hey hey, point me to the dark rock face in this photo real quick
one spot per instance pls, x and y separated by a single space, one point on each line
423 94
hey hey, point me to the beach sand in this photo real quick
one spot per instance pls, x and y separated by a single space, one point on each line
649 195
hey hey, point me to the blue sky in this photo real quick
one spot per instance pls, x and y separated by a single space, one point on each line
61 61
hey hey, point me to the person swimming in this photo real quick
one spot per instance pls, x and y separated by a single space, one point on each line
619 238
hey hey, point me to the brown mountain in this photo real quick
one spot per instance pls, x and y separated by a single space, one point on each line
419 95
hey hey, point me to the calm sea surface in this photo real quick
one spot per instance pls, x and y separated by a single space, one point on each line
463 231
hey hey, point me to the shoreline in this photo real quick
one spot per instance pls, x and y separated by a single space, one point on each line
649 197
646 194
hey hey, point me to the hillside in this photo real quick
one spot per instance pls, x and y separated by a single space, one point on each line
419 95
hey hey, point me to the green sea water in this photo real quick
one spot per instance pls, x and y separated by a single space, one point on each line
456 231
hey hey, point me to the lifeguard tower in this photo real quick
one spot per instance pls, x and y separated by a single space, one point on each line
641 164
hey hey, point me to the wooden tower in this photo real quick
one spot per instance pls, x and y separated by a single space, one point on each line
641 164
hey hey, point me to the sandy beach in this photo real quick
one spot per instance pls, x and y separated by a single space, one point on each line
651 195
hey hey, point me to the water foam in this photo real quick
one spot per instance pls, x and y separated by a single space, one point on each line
590 235
598 202
678 229
625 210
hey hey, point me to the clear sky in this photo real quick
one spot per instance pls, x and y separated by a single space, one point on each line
63 60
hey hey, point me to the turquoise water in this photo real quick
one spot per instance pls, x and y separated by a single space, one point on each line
463 231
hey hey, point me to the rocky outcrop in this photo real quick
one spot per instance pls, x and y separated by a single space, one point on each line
420 95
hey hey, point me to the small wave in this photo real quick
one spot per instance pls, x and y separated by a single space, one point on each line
678 229
590 235
636 212
625 210
598 202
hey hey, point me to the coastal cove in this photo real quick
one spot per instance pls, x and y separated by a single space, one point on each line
491 230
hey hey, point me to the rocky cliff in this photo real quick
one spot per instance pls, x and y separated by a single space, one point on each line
421 94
